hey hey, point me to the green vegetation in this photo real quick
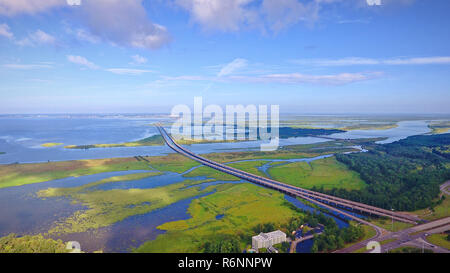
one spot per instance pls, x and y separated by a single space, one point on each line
442 240
171 163
2 153
439 127
51 144
107 207
282 247
334 238
408 249
21 174
222 244
287 132
386 223
293 151
53 192
155 140
370 126
404 175
440 210
248 166
31 244
369 232
384 242
210 173
244 206
326 173
347 123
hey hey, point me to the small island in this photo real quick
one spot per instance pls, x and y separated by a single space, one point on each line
51 144
157 140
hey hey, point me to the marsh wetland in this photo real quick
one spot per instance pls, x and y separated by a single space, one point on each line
123 197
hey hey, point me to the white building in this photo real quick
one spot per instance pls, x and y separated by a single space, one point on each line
266 240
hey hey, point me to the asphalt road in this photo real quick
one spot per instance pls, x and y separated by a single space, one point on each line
445 188
414 236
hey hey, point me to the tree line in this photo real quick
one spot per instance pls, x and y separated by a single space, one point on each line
404 175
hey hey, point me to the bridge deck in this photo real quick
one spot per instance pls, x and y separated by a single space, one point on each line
322 199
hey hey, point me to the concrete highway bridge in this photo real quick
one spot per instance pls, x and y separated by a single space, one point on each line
323 200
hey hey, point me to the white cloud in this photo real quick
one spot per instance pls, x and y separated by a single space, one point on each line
127 71
221 15
283 13
232 67
287 78
84 35
274 15
38 37
14 7
138 59
418 61
27 66
369 61
5 31
232 15
298 78
373 2
123 22
188 78
81 61
73 2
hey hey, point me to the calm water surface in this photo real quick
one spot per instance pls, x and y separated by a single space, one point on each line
22 212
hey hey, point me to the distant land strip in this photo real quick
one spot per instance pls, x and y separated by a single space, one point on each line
156 140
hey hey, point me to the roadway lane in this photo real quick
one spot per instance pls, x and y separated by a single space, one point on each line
414 236
322 198
445 188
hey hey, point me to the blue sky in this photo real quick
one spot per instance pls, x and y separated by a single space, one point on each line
311 56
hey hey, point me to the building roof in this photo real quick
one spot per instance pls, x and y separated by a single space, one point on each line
269 235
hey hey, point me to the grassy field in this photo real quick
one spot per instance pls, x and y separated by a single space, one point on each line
107 207
327 173
409 249
51 144
439 240
171 163
291 151
387 224
384 242
248 166
211 173
52 192
31 244
440 211
21 174
244 206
